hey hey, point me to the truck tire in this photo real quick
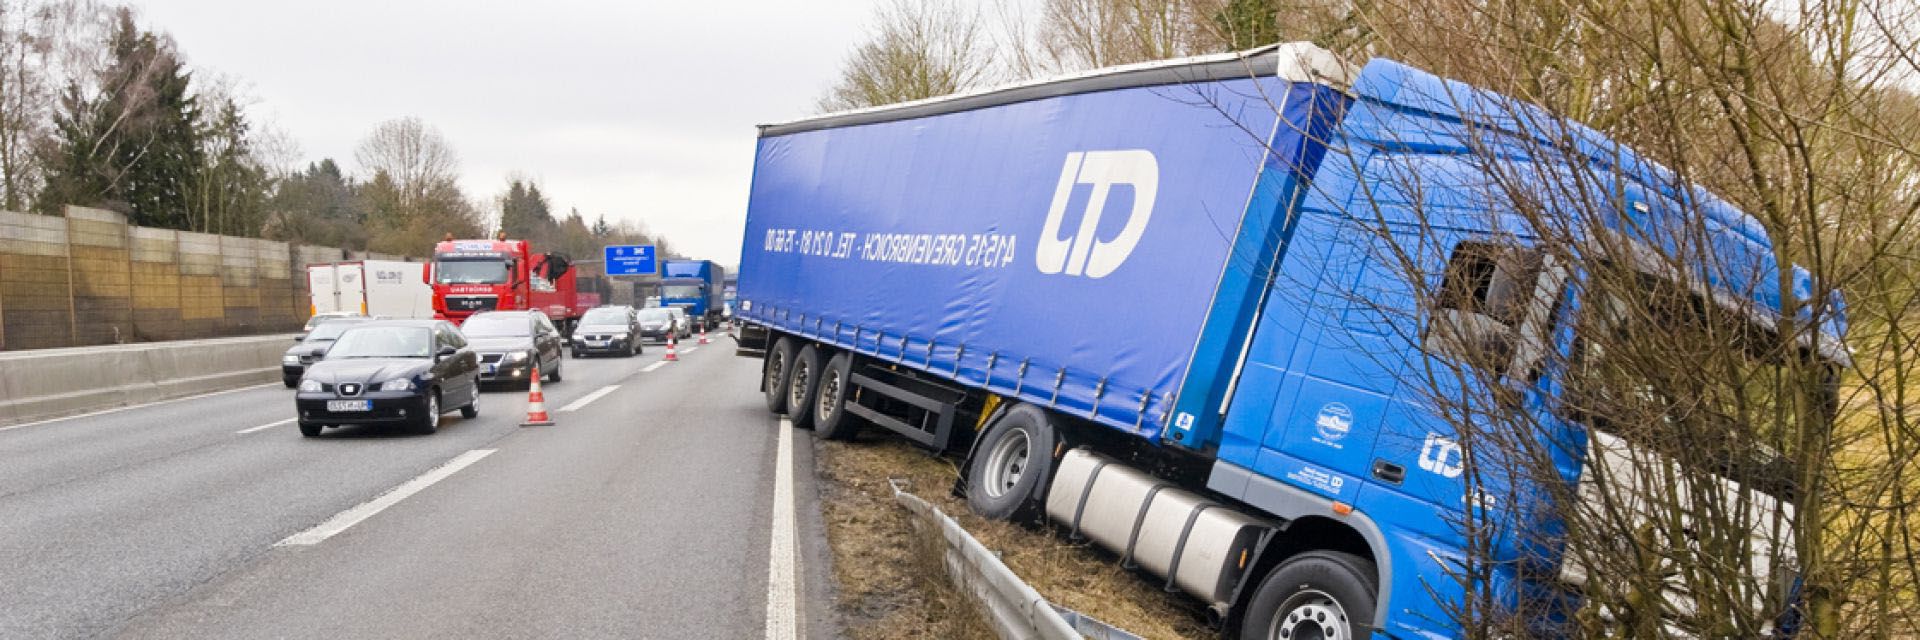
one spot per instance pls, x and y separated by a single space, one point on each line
830 419
803 385
1010 469
1317 594
774 372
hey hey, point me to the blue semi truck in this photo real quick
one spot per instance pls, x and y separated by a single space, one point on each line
1128 298
694 285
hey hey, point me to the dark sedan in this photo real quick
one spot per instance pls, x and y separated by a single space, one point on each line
657 324
613 330
313 346
393 372
510 343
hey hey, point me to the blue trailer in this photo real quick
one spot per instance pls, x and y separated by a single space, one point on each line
695 286
1127 297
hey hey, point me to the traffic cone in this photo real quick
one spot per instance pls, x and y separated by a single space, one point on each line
703 335
672 355
536 403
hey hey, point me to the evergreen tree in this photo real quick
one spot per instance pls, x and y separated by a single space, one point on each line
1246 24
133 147
525 213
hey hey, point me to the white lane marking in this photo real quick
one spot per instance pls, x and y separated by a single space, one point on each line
131 407
265 427
575 405
651 367
689 349
782 622
341 521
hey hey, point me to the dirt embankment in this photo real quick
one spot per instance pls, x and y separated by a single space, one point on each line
892 583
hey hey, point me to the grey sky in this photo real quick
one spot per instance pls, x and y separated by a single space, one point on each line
639 110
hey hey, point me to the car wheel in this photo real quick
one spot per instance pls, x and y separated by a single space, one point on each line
311 429
830 419
803 386
1011 468
472 410
429 422
1317 594
554 375
775 370
576 354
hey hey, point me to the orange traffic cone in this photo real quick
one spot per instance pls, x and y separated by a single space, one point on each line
703 335
672 354
536 403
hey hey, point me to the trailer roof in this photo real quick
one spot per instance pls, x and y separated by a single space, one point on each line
1293 61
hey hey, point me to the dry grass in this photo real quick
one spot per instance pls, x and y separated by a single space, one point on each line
891 586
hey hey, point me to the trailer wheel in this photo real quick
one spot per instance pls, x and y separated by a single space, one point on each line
1013 464
830 419
775 371
803 386
1317 594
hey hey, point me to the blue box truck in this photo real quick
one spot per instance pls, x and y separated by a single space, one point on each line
1128 299
694 285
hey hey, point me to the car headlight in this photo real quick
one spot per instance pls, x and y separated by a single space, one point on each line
309 385
290 359
397 384
517 356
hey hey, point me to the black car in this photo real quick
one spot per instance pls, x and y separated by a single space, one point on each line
313 346
657 323
511 342
390 372
611 329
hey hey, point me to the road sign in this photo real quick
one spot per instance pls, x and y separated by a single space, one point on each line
631 260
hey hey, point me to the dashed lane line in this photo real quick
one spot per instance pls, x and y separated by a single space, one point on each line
346 519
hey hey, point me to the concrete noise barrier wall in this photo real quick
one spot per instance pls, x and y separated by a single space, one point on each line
50 383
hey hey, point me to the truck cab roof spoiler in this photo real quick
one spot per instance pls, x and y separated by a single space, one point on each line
1291 61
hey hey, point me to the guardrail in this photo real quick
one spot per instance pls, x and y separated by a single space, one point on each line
1013 608
49 383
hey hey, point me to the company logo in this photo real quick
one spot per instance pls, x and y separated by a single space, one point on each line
1082 253
1442 455
1333 423
1183 421
386 276
473 246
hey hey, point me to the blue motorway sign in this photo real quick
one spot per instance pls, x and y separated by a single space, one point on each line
631 260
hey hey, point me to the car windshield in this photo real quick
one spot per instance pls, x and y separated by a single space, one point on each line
656 316
605 316
471 272
383 342
330 330
497 326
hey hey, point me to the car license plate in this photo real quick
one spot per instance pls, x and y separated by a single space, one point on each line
596 343
349 405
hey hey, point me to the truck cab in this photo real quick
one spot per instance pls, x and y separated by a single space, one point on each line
472 276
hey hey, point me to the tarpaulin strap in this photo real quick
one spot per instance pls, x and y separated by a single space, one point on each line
1126 559
1099 391
991 359
1086 491
1140 418
1059 379
1180 548
1020 379
958 355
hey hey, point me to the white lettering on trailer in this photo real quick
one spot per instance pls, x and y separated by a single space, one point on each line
1084 253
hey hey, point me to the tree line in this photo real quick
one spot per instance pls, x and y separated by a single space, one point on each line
99 110
1802 115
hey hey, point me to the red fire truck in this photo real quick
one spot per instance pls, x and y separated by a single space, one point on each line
470 276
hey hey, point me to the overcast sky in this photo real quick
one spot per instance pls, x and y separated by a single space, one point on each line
640 110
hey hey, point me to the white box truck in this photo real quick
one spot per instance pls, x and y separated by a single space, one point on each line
383 288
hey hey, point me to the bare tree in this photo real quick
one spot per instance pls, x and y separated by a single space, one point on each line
412 154
918 49
44 45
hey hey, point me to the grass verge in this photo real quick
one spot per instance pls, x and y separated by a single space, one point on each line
892 585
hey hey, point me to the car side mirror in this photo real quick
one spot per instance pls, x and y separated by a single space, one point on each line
445 352
300 338
319 352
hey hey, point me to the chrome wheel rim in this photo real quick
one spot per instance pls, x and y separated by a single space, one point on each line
829 395
776 367
433 410
797 394
1310 614
1007 463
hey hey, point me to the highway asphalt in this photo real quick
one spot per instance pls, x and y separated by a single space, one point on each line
649 511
